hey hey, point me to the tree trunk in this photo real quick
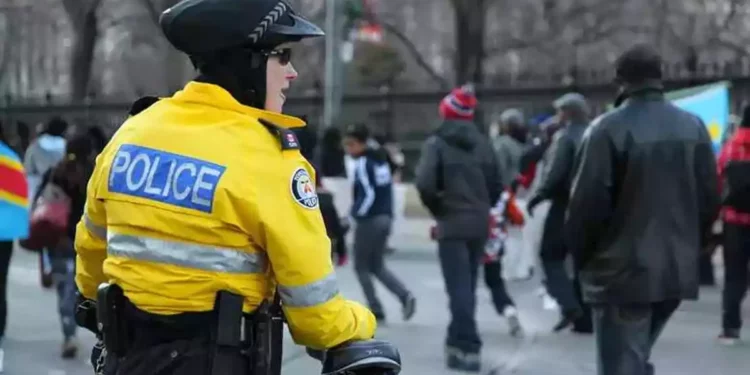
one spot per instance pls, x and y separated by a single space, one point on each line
83 17
470 48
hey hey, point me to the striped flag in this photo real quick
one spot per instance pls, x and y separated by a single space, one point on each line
14 196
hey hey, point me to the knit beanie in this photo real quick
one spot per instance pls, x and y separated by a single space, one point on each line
459 104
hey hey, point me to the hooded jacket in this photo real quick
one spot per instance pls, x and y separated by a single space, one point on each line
458 180
43 154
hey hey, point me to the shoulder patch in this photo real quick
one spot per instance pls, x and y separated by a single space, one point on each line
303 189
165 177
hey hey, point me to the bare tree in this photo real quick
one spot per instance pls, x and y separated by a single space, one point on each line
8 29
83 15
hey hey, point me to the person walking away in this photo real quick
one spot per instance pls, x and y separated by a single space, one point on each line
334 227
734 182
573 115
330 155
372 210
642 204
458 182
45 152
71 175
509 147
14 216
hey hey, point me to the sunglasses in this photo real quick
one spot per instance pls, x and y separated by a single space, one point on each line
284 55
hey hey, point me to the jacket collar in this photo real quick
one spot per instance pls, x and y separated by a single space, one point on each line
215 96
647 90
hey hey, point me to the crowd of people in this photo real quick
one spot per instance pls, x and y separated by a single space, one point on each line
59 157
628 201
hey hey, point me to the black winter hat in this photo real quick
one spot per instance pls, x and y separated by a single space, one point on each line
56 126
639 63
200 27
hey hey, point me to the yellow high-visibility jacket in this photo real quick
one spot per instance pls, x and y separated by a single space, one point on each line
195 195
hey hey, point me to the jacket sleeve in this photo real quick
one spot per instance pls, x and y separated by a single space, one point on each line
555 180
91 239
721 162
294 237
494 177
362 174
426 179
590 205
707 182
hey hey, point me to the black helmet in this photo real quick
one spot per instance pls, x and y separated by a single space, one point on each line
201 27
229 40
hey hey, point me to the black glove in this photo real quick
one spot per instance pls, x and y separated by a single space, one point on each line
317 354
533 202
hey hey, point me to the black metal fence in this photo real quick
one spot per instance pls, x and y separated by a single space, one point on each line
406 117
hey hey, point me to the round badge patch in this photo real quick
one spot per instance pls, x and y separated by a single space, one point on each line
303 189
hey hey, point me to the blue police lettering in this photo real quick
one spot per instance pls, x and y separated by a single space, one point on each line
165 177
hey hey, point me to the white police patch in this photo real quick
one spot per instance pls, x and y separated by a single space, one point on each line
303 189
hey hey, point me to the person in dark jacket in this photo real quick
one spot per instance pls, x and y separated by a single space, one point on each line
372 210
458 182
733 162
335 227
329 156
71 175
573 115
642 204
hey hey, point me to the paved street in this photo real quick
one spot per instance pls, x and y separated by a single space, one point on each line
687 347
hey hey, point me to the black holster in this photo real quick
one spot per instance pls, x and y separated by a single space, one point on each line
266 338
113 325
227 334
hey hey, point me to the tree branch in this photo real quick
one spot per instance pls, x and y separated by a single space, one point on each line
414 52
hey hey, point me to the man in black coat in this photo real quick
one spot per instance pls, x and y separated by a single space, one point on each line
642 204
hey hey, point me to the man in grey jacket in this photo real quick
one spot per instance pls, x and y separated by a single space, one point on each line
555 186
458 181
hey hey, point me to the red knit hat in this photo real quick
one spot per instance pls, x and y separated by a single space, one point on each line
459 104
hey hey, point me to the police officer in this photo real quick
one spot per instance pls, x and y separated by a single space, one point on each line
206 191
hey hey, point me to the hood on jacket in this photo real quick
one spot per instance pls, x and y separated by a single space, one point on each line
458 133
51 143
376 151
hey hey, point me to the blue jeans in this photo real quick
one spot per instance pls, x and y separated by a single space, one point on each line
63 275
626 333
460 261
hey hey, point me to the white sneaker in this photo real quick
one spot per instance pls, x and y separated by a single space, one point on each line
549 303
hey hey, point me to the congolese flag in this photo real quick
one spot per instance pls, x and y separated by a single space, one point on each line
14 200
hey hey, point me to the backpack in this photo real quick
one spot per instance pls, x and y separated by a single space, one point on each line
736 185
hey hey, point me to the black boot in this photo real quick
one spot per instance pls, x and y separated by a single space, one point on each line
459 360
567 319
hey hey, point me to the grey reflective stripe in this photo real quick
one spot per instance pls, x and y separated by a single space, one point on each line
95 229
203 257
311 294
